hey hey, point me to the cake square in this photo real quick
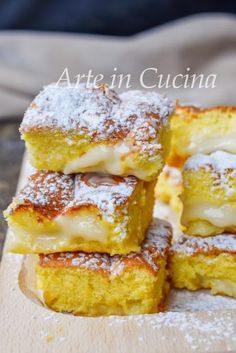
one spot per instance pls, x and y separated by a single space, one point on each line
209 194
99 284
201 131
93 129
197 263
88 212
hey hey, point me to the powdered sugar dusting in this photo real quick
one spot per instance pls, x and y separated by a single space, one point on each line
201 300
195 332
55 193
70 108
190 245
154 247
100 114
146 102
104 191
220 161
49 192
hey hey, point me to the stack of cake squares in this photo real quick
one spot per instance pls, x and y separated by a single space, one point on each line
87 209
205 255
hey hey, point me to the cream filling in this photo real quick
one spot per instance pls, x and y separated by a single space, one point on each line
104 159
85 227
100 158
223 286
211 144
223 216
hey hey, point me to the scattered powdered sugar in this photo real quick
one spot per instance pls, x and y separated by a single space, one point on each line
195 331
88 260
146 102
101 114
185 329
190 245
154 247
202 300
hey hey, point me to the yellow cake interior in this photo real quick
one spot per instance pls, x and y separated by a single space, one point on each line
195 130
209 205
72 153
94 284
215 272
90 293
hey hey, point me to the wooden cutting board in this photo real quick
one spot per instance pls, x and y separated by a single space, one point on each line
27 327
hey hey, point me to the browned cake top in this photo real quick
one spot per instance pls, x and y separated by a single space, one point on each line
154 247
99 113
191 112
53 193
189 245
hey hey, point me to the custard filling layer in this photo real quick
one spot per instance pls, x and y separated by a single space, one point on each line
224 286
103 158
221 216
210 144
87 227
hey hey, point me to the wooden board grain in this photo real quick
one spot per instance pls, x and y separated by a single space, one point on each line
27 327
